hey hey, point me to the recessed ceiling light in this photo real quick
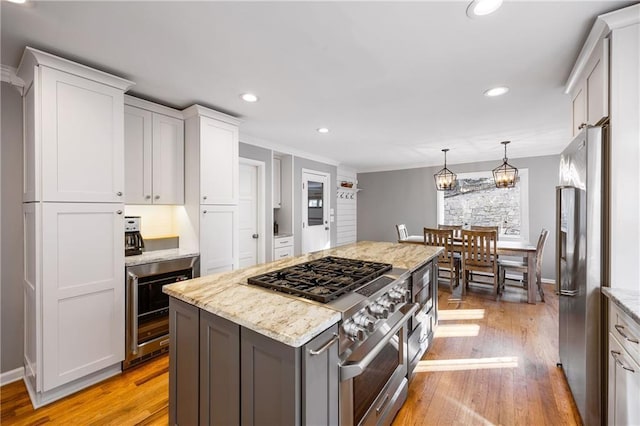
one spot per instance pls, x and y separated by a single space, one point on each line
496 91
482 7
249 97
323 130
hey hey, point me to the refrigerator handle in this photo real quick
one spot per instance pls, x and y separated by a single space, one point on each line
570 293
558 236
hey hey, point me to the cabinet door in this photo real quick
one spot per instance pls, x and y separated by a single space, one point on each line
184 320
219 164
168 160
277 186
219 250
624 386
137 146
598 83
270 381
579 109
321 380
219 371
82 139
82 290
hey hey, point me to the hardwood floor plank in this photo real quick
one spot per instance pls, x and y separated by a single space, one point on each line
510 377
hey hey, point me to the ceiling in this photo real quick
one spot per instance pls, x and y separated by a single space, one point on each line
393 81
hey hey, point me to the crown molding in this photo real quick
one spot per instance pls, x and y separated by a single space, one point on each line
34 57
199 110
152 106
601 28
10 76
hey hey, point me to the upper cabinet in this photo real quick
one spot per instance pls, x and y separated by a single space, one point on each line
590 97
75 123
277 186
154 153
212 140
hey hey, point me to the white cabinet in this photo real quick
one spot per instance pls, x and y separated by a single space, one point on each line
73 225
277 185
624 369
219 251
590 98
219 163
77 121
154 155
82 290
282 247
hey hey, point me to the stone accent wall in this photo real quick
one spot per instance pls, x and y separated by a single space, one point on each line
479 202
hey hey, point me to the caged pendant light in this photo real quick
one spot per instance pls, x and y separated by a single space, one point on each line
505 175
445 178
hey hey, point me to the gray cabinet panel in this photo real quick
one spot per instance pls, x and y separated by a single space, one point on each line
219 371
183 363
320 380
270 381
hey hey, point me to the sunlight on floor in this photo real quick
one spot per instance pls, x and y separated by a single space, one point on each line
466 364
460 314
457 330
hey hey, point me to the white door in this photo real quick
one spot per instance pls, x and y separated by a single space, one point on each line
218 162
168 160
137 147
315 211
248 226
82 289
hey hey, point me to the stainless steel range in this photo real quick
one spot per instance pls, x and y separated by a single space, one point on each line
374 300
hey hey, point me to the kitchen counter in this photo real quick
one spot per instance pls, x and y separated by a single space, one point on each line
158 256
289 320
627 300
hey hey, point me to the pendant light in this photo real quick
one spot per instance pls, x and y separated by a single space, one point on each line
445 178
505 175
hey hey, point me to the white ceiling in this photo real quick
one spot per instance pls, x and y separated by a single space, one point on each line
394 81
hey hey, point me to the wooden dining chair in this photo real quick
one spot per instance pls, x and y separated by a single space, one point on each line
522 267
485 228
479 254
403 234
457 229
446 259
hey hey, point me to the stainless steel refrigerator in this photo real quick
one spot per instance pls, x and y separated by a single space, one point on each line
579 201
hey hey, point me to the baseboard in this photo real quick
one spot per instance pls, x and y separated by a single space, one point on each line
548 281
11 376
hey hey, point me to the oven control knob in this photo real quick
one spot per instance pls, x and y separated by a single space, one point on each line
396 296
365 321
378 311
353 331
387 303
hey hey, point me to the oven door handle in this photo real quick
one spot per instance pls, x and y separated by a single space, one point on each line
133 312
351 369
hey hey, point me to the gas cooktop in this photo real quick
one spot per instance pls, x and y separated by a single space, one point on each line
322 280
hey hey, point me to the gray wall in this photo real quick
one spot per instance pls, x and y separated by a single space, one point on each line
409 196
300 163
265 155
11 302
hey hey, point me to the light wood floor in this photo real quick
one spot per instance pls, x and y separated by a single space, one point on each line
507 376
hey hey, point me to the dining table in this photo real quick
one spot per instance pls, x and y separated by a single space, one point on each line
522 249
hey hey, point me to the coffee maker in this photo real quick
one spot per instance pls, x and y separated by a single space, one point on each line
133 242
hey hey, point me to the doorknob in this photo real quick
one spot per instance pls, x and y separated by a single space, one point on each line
254 236
326 228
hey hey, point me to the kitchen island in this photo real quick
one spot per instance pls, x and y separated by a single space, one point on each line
240 353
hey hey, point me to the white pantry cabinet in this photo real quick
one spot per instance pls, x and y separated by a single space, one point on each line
73 225
219 247
277 183
154 154
71 154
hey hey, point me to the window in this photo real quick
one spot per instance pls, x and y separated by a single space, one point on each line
477 201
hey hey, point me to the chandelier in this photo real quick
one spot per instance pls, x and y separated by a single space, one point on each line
445 178
505 175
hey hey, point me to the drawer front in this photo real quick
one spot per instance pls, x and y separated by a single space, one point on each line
281 253
282 242
626 331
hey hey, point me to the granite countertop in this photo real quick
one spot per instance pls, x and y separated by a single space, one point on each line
158 256
627 300
290 320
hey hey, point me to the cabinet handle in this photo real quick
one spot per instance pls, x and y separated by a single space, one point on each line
119 193
582 126
204 197
325 346
119 211
615 355
157 197
623 334
204 212
147 197
255 236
